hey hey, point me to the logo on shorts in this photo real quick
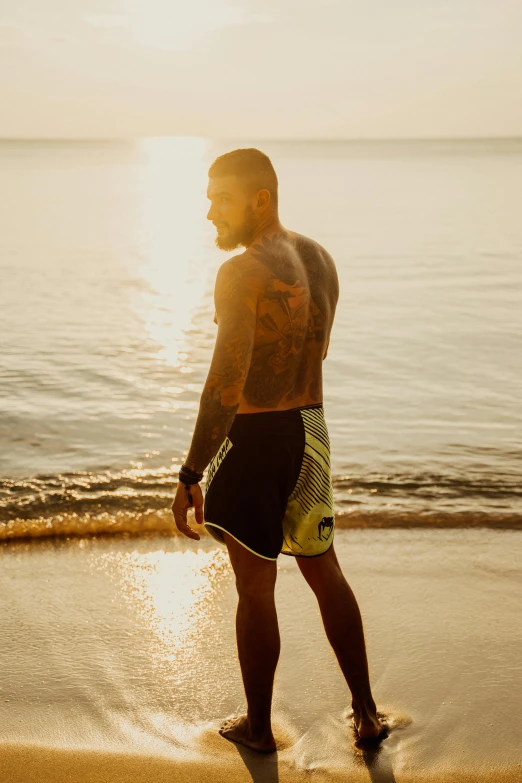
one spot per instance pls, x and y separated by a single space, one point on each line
217 460
326 523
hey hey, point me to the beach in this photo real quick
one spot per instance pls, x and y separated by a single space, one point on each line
375 183
122 661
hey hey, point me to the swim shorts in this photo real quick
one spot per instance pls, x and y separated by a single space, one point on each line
270 486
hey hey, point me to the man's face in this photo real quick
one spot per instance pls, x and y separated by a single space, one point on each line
231 212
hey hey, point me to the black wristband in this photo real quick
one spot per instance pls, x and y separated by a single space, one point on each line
192 473
188 476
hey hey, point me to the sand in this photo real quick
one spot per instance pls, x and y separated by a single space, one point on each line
118 660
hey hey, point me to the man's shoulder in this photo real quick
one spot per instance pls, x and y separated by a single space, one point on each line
243 267
238 279
306 245
319 264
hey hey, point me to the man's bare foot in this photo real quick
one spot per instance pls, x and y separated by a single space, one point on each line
369 728
238 730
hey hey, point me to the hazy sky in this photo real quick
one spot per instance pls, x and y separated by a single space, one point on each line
280 68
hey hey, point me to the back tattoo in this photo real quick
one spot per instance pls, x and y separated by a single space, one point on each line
295 313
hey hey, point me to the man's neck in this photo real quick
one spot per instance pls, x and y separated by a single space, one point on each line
267 227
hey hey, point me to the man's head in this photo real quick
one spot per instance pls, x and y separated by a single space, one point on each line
242 189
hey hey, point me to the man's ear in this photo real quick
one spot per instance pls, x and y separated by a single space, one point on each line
215 317
263 199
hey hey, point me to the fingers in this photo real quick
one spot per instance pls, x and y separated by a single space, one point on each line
180 518
198 513
182 502
183 527
187 531
198 506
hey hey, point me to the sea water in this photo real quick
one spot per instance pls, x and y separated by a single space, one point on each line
107 267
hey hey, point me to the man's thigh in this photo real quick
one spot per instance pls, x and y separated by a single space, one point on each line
254 574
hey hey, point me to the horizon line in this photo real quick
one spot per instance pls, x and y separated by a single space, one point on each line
279 140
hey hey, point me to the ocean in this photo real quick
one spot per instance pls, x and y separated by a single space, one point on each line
107 266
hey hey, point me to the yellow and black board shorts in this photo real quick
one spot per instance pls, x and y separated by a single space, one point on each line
269 485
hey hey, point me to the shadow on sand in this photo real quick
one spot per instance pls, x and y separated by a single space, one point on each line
262 767
378 764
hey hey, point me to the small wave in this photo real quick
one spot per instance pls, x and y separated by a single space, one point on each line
134 523
432 486
83 492
72 524
138 501
391 518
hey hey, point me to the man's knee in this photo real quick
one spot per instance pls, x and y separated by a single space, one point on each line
321 572
256 584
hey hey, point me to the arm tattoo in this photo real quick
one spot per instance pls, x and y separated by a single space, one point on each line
235 300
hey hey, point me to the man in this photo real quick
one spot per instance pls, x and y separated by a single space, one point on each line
261 427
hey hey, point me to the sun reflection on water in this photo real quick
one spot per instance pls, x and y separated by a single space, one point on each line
174 593
175 241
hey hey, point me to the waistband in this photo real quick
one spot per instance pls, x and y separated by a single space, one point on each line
277 413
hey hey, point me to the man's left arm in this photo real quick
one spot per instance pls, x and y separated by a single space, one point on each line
236 303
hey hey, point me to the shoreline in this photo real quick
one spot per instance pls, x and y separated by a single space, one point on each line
160 521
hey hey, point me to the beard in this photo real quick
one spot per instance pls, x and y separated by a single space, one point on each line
241 236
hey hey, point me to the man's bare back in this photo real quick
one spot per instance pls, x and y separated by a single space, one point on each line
294 283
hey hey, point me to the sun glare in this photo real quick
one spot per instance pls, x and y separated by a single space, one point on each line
174 240
173 593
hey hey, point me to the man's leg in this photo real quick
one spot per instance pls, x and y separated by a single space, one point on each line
343 625
258 645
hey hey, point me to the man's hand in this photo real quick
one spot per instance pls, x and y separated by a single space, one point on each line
182 503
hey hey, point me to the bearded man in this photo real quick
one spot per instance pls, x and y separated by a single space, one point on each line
261 431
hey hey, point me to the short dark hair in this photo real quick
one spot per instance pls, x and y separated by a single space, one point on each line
252 166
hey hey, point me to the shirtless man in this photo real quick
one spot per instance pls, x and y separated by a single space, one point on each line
261 427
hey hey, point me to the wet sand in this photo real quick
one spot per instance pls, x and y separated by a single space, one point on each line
118 661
